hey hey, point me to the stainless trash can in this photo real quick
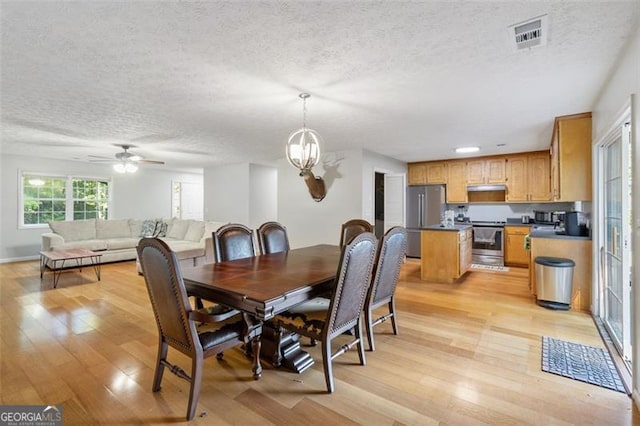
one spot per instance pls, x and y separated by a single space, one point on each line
554 282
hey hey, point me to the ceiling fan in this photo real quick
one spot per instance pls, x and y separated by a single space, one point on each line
125 161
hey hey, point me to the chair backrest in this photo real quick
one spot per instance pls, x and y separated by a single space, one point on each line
233 241
353 278
272 238
391 252
353 227
168 295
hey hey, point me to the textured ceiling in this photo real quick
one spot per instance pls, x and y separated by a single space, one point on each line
204 83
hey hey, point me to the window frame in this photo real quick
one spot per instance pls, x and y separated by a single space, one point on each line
69 195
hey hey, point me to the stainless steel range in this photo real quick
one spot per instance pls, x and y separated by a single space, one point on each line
488 243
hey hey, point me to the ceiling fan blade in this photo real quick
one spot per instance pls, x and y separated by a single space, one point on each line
149 162
101 157
102 160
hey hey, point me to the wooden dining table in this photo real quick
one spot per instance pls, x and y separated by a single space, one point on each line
263 286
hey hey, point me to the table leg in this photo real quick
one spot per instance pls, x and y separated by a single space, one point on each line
95 262
57 272
43 265
257 366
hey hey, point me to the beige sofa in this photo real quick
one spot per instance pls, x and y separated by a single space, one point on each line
116 239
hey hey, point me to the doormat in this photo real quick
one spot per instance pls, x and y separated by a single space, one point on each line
489 267
580 362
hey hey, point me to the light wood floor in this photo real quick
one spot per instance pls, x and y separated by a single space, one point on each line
467 353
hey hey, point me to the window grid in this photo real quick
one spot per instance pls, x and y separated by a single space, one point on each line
59 198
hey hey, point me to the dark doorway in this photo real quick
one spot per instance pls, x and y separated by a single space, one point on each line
378 214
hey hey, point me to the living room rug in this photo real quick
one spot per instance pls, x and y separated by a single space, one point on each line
579 362
489 268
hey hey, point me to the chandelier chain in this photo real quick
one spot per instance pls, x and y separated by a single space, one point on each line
304 112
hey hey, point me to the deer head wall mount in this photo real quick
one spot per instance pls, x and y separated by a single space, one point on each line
303 152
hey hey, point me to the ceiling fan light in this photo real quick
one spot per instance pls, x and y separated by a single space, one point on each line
119 168
130 168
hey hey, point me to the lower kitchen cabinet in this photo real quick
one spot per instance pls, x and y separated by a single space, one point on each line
446 254
515 253
578 250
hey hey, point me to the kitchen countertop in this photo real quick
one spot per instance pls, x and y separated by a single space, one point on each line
455 228
552 234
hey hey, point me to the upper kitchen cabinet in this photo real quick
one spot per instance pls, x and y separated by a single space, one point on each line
486 171
417 174
571 158
539 170
528 177
456 182
436 172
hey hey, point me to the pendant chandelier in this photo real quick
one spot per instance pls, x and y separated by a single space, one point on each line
303 152
303 147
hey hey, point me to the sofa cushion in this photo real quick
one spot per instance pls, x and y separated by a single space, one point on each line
184 249
113 228
147 228
95 245
195 231
75 230
178 229
121 243
135 225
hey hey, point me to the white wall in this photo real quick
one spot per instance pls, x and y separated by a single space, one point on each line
263 195
145 194
625 81
226 193
372 163
309 222
501 211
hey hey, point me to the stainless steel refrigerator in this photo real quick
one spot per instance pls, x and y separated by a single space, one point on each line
425 206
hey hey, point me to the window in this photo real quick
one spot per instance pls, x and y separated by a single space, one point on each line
57 198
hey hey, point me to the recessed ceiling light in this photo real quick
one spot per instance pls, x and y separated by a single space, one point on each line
467 149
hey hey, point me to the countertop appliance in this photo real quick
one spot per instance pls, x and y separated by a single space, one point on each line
488 243
425 206
549 218
576 224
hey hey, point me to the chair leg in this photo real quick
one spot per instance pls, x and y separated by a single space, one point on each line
194 392
358 333
326 362
162 356
369 325
392 311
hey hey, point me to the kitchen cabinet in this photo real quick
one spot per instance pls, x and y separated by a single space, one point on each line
457 182
514 252
539 176
528 177
417 174
571 158
578 250
446 254
486 171
436 172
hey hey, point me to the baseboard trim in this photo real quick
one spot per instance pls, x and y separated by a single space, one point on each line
19 259
621 366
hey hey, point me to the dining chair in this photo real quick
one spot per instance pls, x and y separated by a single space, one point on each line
272 238
353 227
233 241
178 323
391 252
345 308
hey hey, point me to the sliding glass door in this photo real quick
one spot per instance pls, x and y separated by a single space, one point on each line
615 249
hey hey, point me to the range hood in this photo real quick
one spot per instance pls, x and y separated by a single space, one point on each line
484 188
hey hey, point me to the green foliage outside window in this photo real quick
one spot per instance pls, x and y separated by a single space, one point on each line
45 199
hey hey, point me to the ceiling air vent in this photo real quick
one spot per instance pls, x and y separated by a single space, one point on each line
531 33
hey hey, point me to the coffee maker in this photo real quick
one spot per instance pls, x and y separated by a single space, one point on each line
576 224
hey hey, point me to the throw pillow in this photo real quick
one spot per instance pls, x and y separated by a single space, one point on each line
161 229
148 228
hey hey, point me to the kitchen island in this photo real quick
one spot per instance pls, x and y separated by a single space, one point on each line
446 252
